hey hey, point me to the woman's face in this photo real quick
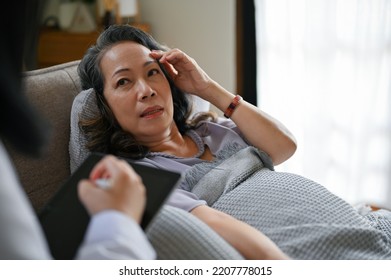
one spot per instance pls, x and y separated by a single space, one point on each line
137 91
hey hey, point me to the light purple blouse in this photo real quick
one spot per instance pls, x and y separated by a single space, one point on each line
216 136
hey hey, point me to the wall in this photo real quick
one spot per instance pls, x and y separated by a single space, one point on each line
204 29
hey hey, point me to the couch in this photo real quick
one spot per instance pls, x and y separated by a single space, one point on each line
175 234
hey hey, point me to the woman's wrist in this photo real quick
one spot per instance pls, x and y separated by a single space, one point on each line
232 106
217 96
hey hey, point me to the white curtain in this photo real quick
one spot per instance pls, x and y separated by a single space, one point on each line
324 70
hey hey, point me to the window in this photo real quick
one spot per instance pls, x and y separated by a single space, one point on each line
324 70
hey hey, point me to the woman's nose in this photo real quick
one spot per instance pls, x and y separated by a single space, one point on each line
151 94
145 91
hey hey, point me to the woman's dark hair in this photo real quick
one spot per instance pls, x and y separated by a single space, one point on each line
104 134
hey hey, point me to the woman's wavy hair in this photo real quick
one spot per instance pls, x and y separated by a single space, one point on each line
104 134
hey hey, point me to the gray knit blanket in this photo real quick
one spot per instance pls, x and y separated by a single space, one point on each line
302 217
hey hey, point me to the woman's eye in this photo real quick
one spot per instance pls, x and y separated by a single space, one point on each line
153 72
122 82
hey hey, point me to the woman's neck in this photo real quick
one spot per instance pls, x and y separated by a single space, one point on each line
182 146
171 142
176 144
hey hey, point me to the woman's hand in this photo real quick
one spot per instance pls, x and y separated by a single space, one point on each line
260 129
125 192
184 71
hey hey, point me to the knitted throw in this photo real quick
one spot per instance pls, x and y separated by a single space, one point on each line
302 217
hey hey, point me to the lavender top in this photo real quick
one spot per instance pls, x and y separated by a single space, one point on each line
214 135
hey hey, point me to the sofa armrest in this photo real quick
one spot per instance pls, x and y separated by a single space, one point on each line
51 90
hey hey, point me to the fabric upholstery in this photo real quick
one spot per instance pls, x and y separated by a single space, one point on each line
51 91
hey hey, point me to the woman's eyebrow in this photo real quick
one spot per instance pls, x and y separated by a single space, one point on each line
128 69
149 62
119 71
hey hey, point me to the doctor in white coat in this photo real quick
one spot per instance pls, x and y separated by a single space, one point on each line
114 231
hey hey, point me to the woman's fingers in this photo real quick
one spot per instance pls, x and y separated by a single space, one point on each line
175 57
184 71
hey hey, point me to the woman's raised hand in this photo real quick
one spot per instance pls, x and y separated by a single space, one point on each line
184 71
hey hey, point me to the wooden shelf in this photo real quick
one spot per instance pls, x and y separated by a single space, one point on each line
57 46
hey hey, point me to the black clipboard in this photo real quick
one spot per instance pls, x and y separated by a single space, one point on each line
64 219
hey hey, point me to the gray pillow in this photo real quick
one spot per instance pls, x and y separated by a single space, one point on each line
178 235
84 106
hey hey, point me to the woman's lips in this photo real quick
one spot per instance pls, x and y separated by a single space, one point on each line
152 112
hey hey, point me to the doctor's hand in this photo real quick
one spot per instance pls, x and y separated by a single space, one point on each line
122 190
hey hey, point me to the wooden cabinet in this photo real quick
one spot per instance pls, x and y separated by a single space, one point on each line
57 47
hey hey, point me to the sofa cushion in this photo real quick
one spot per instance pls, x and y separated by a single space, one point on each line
51 90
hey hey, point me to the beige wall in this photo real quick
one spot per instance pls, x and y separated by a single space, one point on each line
205 29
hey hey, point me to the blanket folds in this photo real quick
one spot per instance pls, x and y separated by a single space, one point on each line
302 217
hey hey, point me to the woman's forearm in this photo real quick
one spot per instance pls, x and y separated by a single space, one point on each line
259 128
250 242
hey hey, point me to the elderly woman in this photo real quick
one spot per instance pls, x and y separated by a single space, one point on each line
143 93
144 113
